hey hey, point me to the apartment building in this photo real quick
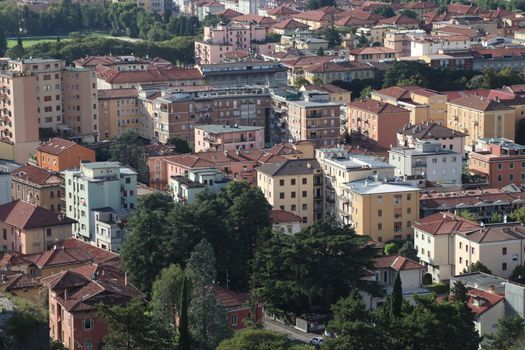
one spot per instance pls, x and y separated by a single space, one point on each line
118 111
328 72
222 42
73 298
434 242
380 209
176 112
58 154
18 110
500 161
401 40
480 117
294 185
38 186
252 73
340 167
66 98
373 54
158 7
376 120
449 139
213 137
428 159
425 105
93 187
432 45
28 228
314 121
187 187
122 62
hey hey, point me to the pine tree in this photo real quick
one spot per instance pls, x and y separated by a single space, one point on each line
3 42
397 296
19 42
184 333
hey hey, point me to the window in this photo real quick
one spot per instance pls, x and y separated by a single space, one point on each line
379 213
379 226
292 181
460 260
460 245
48 232
504 251
305 194
281 195
293 194
88 344
294 207
305 206
504 266
87 323
500 166
379 199
234 320
4 234
281 182
305 180
511 165
128 180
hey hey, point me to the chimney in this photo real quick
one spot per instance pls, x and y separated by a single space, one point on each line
125 278
65 294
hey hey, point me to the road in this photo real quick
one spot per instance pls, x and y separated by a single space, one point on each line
289 330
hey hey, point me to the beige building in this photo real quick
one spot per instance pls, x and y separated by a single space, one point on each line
295 185
317 122
38 186
424 104
18 113
382 210
499 247
119 111
66 98
340 167
481 117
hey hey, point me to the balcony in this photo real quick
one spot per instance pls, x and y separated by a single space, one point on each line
315 115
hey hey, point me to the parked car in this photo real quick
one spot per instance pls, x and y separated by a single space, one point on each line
316 341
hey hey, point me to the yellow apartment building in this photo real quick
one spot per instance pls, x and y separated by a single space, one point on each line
119 112
295 185
384 211
481 117
423 104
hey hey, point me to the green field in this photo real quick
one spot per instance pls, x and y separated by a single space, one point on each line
33 41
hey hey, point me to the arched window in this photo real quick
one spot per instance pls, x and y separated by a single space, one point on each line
87 323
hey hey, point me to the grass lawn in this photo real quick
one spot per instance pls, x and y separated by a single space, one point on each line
33 41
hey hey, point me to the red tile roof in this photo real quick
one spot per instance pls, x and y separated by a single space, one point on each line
99 255
290 24
229 13
255 18
480 301
445 224
282 11
148 76
372 50
376 107
25 215
400 20
230 299
282 216
480 103
36 175
56 146
338 67
398 263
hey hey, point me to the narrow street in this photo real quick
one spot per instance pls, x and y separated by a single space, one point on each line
289 330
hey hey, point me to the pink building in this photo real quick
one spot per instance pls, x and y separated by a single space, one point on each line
219 42
228 137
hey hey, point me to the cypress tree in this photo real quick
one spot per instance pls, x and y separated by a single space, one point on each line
397 296
184 333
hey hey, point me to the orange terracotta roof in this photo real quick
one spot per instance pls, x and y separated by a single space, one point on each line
398 263
480 301
36 175
230 299
25 215
282 216
56 146
376 107
445 224
290 24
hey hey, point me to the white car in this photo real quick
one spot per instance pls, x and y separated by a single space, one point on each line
316 341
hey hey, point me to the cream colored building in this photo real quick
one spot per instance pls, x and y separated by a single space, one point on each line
382 210
423 104
119 111
340 167
295 185
481 117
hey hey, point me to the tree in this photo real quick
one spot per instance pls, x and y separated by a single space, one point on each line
131 327
290 272
300 82
258 339
166 297
408 13
385 11
19 42
127 149
181 145
391 248
468 215
496 217
3 42
408 251
207 317
151 217
509 330
184 332
519 215
517 273
333 36
320 52
366 92
397 296
478 267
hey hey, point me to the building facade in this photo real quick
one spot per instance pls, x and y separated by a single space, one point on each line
213 137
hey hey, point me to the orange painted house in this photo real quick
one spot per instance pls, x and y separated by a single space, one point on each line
59 154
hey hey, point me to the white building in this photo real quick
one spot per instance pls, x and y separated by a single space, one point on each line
97 188
186 188
438 165
433 45
432 132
